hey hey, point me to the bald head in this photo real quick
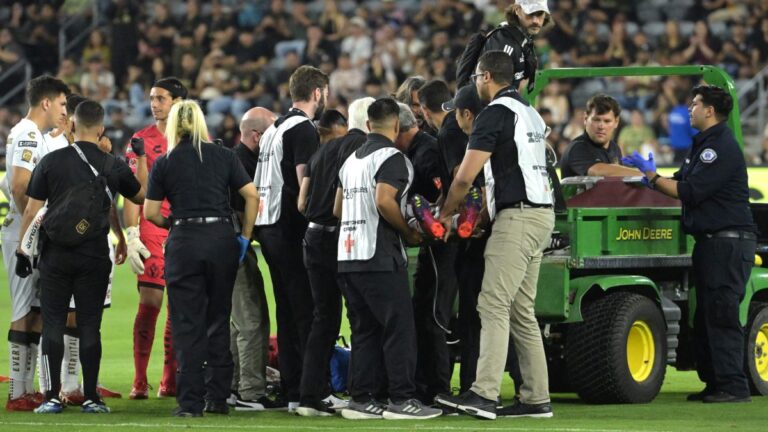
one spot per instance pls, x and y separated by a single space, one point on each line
253 124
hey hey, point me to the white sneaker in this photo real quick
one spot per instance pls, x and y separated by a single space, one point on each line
335 402
292 406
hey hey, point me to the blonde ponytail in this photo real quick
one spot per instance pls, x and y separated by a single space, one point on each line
186 118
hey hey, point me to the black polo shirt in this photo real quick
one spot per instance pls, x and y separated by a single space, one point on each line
249 159
299 144
427 171
353 140
712 184
62 169
582 153
194 187
323 172
452 145
394 172
494 131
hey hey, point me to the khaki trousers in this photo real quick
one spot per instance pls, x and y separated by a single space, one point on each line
506 303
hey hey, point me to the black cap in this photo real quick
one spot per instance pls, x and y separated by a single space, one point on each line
466 98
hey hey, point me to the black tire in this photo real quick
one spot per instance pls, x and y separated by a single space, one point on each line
756 353
596 350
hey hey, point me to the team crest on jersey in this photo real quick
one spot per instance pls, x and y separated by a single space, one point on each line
26 155
708 156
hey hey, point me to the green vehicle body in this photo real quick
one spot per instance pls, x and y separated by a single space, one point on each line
591 229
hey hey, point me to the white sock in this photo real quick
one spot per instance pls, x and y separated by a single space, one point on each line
18 366
70 365
34 359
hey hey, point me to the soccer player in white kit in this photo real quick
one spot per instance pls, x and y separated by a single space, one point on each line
47 101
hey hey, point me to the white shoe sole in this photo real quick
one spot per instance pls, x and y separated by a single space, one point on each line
541 415
311 412
397 416
350 414
250 408
476 412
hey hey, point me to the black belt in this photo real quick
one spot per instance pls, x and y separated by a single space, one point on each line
524 205
741 235
326 228
202 220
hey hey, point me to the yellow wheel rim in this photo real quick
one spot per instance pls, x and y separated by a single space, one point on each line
761 352
641 351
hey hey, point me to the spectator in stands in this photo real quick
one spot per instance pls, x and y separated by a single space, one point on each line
679 128
184 44
276 21
96 46
557 103
346 81
332 21
123 16
358 45
470 18
671 42
192 19
759 42
703 46
97 83
410 48
228 131
637 136
619 50
10 50
117 131
42 31
590 49
318 47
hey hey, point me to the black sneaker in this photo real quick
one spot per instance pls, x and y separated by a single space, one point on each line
519 409
470 403
724 397
179 412
698 397
315 408
216 407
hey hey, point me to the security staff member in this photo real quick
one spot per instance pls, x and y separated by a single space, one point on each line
81 271
196 178
249 326
508 143
595 152
373 186
470 264
524 20
285 150
712 186
434 284
316 199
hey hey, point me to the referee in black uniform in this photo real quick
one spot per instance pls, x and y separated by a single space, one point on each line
712 185
202 254
81 271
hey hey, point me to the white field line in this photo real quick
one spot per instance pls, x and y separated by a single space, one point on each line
193 425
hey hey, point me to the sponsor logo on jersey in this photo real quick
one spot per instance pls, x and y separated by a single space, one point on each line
31 134
27 144
26 156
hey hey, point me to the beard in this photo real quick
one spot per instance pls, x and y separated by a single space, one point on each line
320 108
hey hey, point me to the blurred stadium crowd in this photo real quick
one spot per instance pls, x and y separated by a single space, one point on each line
235 54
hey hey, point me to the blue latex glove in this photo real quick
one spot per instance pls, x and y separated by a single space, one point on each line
244 243
637 161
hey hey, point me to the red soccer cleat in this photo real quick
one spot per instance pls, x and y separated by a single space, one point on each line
37 398
139 391
4 379
165 392
107 393
72 398
22 403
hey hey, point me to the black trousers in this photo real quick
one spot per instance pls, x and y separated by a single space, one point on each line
281 246
435 287
200 269
470 267
64 274
320 261
384 335
721 269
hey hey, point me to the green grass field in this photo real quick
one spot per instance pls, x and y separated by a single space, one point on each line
669 412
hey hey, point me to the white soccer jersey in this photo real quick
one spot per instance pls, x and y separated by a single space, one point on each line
23 149
359 215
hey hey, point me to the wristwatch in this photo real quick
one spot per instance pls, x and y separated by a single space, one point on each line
652 182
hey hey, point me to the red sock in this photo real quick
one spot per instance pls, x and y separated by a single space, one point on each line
169 357
143 336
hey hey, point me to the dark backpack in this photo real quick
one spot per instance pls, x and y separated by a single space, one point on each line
470 56
476 47
81 214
